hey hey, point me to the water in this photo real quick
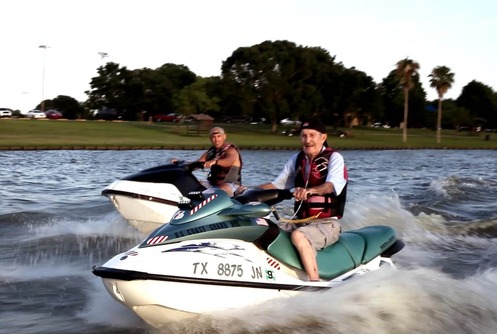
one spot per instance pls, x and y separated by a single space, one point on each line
55 225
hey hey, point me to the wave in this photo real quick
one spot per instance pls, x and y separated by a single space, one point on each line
102 309
40 224
389 210
58 244
418 301
456 248
457 198
455 185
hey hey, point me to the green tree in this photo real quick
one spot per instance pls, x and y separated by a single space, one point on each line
140 93
356 96
454 116
393 101
481 101
68 106
194 98
107 89
257 75
405 71
151 92
441 79
278 79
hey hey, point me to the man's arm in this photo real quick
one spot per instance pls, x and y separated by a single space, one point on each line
203 157
304 193
337 173
286 177
230 159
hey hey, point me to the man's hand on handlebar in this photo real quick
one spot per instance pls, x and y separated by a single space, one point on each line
301 194
208 164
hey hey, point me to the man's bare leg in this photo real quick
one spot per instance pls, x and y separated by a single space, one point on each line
307 254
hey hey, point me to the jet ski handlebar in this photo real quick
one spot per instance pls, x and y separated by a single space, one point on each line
188 166
268 196
195 165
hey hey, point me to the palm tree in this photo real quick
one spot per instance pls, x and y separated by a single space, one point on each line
405 70
442 79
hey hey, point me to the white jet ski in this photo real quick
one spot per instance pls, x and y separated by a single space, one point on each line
219 253
149 198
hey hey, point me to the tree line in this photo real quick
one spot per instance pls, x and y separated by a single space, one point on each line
279 79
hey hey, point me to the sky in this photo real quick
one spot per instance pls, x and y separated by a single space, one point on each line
369 35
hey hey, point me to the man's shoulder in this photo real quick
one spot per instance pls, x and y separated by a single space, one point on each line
336 160
295 156
230 147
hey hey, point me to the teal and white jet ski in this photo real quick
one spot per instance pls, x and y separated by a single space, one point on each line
219 253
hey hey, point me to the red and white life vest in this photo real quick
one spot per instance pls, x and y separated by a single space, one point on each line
328 205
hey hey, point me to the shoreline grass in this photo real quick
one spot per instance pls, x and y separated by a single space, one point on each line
28 134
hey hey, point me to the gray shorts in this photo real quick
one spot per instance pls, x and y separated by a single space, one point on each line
233 186
320 232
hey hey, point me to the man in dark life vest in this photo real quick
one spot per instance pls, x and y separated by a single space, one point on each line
224 161
319 177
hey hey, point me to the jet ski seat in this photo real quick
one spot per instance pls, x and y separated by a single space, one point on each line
351 250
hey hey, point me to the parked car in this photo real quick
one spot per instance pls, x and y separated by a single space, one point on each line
291 131
53 114
5 113
290 122
106 113
378 124
173 117
236 119
35 114
256 121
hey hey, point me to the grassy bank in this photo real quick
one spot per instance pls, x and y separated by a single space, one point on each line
27 134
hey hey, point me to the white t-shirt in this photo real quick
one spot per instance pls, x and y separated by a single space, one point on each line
336 166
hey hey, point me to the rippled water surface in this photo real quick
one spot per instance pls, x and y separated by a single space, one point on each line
55 225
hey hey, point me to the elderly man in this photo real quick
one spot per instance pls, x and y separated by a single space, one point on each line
319 177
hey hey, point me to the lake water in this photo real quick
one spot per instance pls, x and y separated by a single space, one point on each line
55 225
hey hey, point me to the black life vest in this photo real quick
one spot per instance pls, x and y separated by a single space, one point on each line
218 174
328 205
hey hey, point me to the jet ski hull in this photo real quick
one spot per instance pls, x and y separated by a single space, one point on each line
217 253
160 302
149 198
145 205
167 283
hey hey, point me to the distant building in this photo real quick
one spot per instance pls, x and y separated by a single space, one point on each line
198 123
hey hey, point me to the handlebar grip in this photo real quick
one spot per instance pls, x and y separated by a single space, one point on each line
268 196
195 165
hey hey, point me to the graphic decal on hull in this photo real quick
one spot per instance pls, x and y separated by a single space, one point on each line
179 214
273 263
202 204
156 240
127 254
214 249
206 228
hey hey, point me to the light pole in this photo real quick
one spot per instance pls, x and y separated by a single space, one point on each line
103 54
42 104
